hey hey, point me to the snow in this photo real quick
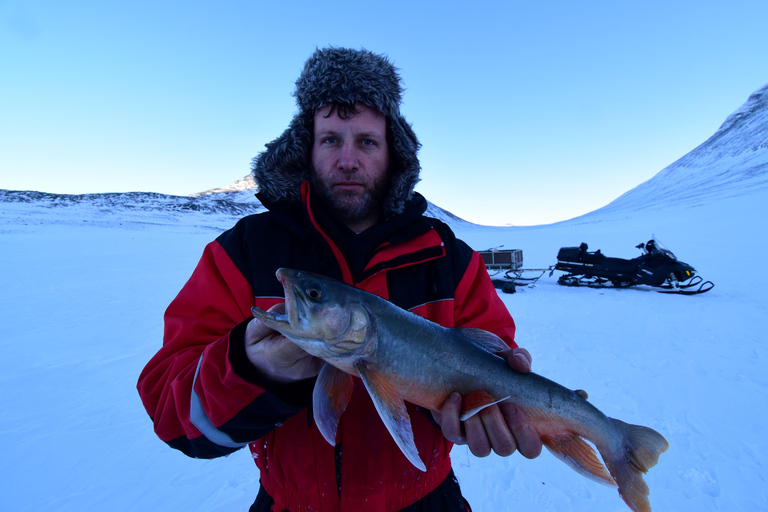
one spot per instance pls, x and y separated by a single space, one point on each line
84 287
82 307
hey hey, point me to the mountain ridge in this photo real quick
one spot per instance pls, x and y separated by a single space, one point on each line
732 162
227 202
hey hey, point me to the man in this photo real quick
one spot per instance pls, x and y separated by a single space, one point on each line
338 184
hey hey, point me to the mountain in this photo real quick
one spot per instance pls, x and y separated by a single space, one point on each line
218 212
241 191
131 201
732 162
221 206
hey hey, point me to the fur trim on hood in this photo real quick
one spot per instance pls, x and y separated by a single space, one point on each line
344 76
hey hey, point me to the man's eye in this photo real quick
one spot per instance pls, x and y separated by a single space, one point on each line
368 142
329 140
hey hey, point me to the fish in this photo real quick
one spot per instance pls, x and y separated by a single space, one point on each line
403 357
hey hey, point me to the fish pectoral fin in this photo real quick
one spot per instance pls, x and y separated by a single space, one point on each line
332 393
580 456
475 402
391 408
482 339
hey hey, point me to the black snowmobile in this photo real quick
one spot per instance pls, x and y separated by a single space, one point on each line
657 268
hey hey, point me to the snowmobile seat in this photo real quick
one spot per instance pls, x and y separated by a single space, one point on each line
620 266
592 257
579 254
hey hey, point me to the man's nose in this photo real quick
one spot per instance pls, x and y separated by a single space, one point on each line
348 157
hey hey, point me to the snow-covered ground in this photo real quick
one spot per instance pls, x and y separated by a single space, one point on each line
82 301
83 285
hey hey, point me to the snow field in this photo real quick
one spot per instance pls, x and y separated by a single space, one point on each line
82 302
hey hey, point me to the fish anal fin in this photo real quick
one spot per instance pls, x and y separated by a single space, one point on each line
482 339
475 402
391 408
580 456
332 393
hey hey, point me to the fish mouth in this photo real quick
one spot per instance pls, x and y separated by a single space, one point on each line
285 277
288 320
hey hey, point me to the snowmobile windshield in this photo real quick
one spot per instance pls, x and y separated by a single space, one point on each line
662 249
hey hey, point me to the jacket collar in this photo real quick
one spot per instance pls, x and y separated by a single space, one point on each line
389 243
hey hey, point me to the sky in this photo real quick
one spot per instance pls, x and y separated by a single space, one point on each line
528 112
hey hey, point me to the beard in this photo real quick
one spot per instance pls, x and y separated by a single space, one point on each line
348 206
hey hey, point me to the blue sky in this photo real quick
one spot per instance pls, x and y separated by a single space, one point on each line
528 112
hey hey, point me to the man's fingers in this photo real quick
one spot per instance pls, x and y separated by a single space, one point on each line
477 438
527 439
275 356
519 359
501 440
501 428
449 419
256 331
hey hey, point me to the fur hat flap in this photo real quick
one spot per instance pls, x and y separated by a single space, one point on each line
280 169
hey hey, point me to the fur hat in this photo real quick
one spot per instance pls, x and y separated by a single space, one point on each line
344 76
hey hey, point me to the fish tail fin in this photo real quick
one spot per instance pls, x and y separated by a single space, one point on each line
580 456
640 452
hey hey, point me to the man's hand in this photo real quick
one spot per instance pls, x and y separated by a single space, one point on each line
502 428
276 357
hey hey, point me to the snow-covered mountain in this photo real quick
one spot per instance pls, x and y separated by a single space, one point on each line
228 203
134 201
731 162
245 187
124 206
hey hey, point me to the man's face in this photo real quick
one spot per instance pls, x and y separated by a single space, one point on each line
350 160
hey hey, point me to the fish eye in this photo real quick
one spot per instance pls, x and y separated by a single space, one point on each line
314 292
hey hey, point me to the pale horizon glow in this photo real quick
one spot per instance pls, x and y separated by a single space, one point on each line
528 113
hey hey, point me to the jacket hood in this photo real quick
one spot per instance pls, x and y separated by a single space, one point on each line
346 76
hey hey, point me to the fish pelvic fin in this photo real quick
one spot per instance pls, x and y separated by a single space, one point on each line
580 456
640 451
475 402
482 339
391 408
332 393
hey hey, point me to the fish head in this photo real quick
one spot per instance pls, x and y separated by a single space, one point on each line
322 316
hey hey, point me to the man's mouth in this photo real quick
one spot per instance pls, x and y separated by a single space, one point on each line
349 185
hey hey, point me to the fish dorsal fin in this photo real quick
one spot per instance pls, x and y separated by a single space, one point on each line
580 456
483 339
391 408
332 393
475 402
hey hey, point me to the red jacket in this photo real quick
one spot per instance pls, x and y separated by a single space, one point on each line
207 400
